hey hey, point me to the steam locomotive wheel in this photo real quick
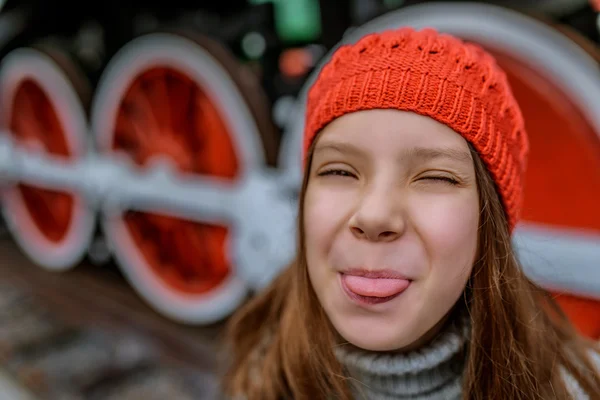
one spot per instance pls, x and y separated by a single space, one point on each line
564 148
166 95
42 109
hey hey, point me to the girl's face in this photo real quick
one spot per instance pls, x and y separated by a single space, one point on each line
391 216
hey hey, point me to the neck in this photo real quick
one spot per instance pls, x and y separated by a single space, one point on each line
433 371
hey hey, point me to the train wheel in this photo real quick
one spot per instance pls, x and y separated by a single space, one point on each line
42 109
565 149
556 83
170 96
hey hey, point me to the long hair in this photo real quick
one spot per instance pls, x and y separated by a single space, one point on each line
280 344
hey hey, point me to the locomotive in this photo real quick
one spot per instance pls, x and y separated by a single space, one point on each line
166 136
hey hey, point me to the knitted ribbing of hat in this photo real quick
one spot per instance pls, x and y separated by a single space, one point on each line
437 75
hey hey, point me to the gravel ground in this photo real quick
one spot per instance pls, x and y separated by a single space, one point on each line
57 360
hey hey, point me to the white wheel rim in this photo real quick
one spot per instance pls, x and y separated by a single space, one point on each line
17 66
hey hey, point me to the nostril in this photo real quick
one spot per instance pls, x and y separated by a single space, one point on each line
386 234
358 231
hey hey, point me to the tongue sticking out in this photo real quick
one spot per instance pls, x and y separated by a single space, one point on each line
375 287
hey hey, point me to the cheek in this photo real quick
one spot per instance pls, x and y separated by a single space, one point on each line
324 214
448 227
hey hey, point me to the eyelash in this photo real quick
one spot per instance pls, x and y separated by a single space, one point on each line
343 173
336 172
443 179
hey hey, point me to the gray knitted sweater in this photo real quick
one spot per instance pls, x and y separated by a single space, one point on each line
432 373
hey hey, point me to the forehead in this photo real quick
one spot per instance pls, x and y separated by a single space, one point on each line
388 131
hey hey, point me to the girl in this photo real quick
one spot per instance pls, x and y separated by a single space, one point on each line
406 284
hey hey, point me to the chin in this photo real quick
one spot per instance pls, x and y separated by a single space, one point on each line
370 335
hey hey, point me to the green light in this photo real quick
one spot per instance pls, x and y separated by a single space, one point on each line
296 20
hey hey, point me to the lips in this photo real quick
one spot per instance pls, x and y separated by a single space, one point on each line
373 287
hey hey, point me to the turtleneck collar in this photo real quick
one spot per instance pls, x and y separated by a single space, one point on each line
431 372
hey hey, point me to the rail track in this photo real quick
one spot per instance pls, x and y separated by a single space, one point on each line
85 335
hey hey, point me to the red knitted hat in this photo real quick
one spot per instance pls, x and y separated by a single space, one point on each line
437 75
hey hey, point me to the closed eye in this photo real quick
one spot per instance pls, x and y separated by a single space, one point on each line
336 172
442 179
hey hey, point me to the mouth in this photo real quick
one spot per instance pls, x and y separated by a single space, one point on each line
373 287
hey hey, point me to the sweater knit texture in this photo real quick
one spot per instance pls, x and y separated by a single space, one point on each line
436 75
433 372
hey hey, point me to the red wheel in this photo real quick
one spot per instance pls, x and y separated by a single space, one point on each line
42 110
176 120
566 149
167 96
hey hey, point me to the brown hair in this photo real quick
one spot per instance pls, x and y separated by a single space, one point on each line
280 344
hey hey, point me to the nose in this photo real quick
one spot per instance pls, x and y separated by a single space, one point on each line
378 218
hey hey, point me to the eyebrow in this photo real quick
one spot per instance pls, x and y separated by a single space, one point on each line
427 153
414 153
340 147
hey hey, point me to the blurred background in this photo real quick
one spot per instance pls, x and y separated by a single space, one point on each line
150 165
